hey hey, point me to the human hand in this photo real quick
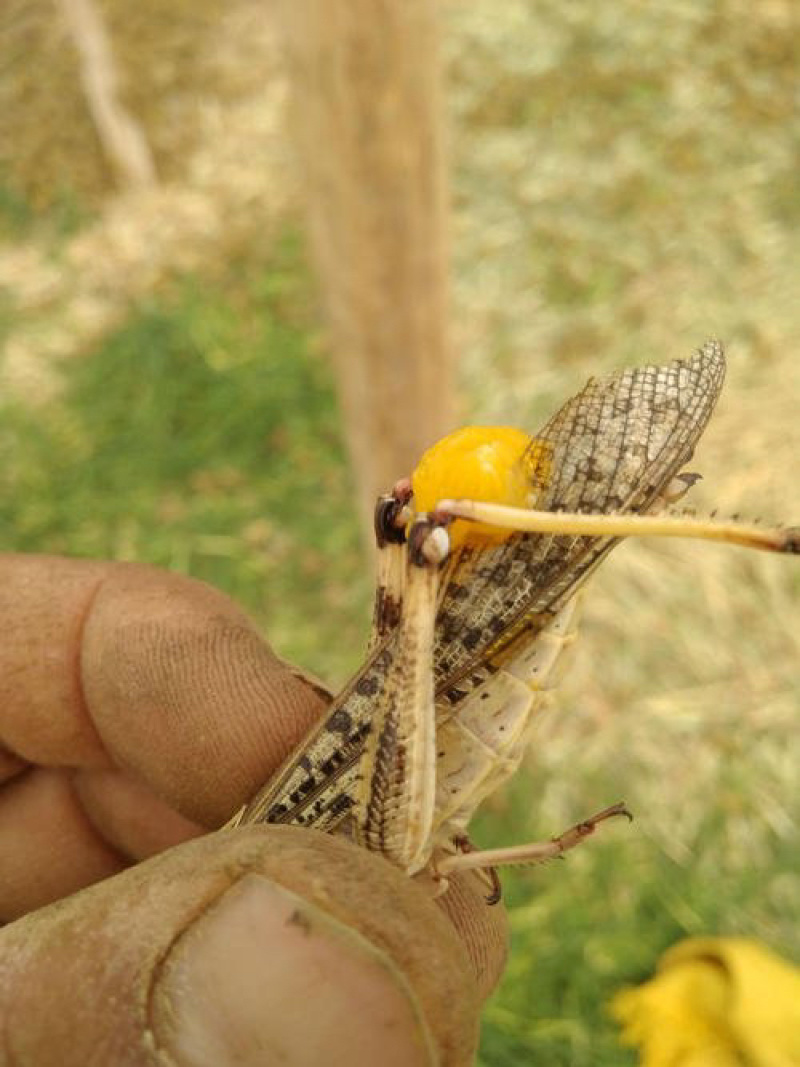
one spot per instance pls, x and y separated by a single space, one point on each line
138 710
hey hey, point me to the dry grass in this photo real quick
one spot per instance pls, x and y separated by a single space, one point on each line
624 194
206 82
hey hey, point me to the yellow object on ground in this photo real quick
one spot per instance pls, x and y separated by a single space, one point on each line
715 1002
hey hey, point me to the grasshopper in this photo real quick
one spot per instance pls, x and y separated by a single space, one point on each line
475 601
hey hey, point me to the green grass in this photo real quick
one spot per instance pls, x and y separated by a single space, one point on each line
203 436
585 927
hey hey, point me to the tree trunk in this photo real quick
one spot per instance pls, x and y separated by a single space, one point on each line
368 125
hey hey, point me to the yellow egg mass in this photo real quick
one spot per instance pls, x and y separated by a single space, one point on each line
498 464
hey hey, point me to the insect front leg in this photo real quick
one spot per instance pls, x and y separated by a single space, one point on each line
395 799
534 852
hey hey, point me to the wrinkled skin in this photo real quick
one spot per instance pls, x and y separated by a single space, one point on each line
139 710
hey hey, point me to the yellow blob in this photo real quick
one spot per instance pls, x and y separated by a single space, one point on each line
498 464
715 1002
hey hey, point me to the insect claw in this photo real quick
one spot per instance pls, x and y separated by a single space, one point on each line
620 808
586 827
496 894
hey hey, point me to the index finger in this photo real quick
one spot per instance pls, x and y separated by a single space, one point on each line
127 667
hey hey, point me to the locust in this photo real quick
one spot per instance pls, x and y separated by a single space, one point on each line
482 555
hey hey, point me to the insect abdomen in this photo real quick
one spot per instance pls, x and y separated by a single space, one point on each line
481 746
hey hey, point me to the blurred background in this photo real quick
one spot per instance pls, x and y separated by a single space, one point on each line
256 256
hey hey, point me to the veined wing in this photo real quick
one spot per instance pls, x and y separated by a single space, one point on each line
316 784
614 447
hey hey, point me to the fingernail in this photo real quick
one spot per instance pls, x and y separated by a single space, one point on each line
265 977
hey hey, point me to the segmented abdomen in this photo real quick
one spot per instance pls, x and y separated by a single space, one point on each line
480 746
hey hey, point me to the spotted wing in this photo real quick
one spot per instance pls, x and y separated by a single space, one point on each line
614 448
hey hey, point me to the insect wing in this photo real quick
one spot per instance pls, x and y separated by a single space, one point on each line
613 448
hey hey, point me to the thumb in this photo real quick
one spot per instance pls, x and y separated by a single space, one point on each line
258 946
